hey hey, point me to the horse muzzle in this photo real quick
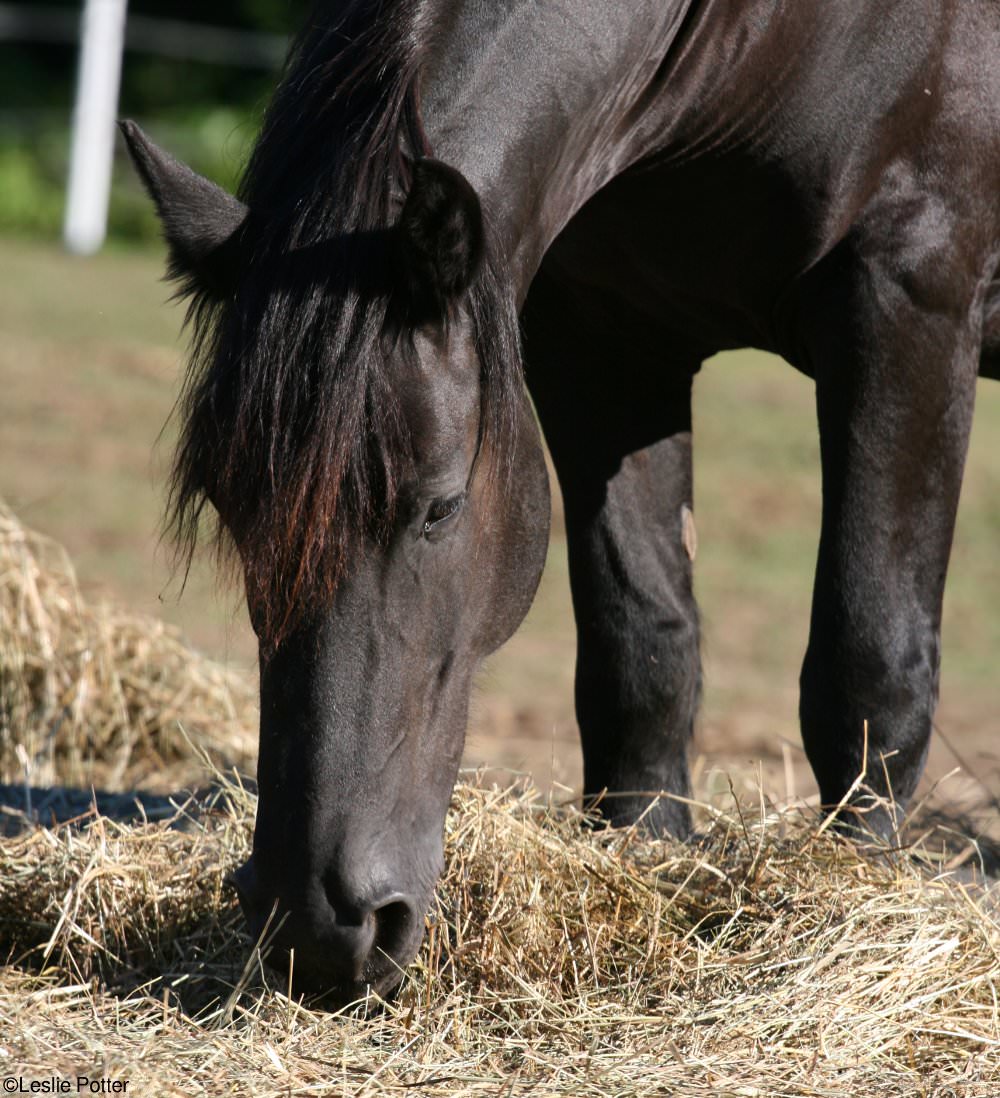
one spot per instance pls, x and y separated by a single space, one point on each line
342 952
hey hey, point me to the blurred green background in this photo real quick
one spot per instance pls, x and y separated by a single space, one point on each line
205 113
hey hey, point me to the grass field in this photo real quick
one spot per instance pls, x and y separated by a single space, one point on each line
90 358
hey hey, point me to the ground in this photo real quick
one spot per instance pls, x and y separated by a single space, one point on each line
90 361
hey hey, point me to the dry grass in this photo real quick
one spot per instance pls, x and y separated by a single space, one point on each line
772 958
92 694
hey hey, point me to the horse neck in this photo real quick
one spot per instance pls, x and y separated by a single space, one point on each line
539 105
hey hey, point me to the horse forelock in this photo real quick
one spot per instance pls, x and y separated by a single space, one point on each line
291 422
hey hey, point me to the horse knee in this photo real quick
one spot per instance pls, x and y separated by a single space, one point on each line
678 670
650 673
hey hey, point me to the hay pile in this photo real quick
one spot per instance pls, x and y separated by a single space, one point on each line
771 959
95 694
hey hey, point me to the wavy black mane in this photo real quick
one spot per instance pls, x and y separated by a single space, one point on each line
290 415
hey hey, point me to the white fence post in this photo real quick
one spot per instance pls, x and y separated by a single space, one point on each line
94 125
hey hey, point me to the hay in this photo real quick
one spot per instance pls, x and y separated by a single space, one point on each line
771 959
92 694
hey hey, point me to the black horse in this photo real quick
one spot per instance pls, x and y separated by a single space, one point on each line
645 183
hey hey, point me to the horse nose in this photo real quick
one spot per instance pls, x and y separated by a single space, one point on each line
388 927
337 944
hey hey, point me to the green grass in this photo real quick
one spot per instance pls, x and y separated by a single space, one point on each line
90 364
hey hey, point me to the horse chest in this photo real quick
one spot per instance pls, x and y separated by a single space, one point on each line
705 249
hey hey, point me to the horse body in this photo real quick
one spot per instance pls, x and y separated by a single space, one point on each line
821 184
660 181
741 142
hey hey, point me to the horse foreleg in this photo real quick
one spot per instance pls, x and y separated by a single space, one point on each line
989 362
619 430
895 370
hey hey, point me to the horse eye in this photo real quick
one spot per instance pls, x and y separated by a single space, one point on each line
441 510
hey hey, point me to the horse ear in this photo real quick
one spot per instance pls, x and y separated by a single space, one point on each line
441 234
201 221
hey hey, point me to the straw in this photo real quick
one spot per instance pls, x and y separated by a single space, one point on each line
92 693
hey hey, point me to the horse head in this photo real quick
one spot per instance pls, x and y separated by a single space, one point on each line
381 481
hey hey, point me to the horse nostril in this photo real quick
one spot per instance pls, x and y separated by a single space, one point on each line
394 921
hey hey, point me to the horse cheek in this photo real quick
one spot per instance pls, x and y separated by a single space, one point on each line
519 542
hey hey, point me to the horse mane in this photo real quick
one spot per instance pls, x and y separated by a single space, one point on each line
290 420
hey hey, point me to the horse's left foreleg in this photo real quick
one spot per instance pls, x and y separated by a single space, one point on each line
895 367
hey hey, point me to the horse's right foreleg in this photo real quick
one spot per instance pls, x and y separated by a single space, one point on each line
989 361
619 429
